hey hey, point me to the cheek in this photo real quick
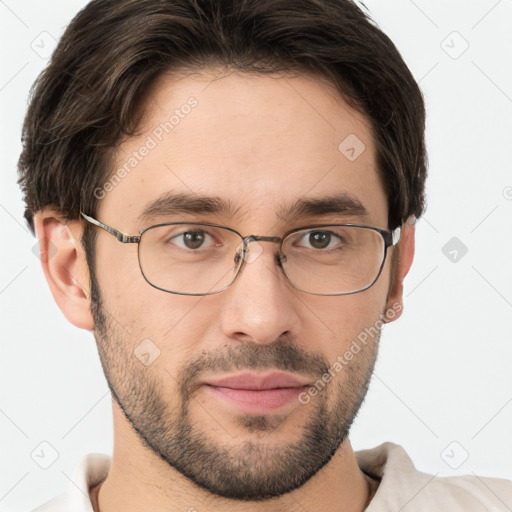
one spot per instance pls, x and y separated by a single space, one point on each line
117 268
141 314
336 323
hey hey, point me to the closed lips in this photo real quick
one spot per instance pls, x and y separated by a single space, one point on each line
255 382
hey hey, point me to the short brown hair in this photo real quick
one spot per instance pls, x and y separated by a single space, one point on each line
86 100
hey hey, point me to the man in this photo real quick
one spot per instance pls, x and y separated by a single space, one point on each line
225 193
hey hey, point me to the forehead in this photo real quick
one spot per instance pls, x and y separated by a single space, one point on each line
259 143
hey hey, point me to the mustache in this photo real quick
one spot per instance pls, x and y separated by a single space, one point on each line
279 355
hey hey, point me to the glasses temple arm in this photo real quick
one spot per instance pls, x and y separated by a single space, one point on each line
125 239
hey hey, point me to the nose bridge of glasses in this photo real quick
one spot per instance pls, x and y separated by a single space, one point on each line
257 238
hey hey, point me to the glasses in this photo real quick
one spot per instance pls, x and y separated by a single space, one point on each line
202 259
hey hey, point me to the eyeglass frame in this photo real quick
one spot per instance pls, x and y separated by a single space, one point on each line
390 238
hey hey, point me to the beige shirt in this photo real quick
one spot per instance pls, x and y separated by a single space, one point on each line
401 488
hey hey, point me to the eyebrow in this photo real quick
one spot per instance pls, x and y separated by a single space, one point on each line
338 204
172 203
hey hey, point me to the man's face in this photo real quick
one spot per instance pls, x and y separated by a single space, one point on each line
260 143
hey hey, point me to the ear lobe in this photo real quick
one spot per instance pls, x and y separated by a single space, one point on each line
64 265
405 256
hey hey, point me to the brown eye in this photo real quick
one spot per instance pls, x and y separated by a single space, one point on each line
193 239
318 240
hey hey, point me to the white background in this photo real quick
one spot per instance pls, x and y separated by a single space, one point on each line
444 370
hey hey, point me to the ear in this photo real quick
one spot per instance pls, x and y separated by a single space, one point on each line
65 266
404 258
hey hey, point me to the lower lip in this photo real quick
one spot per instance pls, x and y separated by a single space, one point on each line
257 401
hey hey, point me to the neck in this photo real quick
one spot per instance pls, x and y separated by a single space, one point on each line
140 480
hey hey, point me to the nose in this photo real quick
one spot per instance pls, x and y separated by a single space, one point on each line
260 305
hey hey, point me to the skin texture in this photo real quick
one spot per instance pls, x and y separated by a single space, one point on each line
260 142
